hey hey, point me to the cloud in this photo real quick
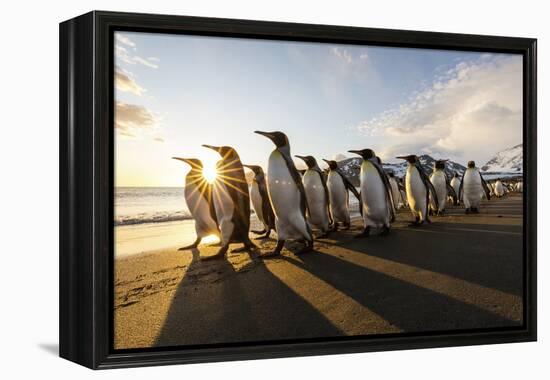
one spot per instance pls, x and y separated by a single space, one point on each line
346 56
343 54
122 54
134 121
469 112
125 40
125 82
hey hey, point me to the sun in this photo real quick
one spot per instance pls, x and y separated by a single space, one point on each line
209 171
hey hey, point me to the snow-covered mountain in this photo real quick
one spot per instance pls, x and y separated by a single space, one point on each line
351 167
507 161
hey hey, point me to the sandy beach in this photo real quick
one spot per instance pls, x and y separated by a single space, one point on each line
460 272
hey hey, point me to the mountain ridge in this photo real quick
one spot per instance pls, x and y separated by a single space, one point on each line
506 161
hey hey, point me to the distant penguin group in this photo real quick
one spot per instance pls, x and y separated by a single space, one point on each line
296 203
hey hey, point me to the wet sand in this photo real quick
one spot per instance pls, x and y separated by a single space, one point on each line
460 272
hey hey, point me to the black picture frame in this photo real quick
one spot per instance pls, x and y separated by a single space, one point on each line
86 186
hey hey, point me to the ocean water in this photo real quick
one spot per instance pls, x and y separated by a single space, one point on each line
140 205
152 218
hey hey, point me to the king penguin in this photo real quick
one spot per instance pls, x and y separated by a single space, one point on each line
338 191
198 195
442 187
396 193
472 188
455 184
376 194
231 200
317 196
287 194
419 189
261 202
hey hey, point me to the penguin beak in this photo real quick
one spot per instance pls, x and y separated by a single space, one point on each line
300 157
355 151
182 159
402 157
216 148
189 162
266 134
327 161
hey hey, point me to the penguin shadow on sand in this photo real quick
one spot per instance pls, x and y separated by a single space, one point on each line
481 254
237 300
407 306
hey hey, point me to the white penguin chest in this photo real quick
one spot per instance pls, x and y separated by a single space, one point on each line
337 189
455 183
416 190
439 182
196 201
315 191
222 202
472 182
373 190
283 191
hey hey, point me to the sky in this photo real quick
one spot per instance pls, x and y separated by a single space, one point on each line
174 93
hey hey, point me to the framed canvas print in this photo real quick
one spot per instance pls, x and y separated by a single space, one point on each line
236 189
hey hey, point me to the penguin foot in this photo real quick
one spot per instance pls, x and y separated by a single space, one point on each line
417 222
475 210
364 234
467 211
248 247
276 252
385 231
308 248
266 235
188 247
191 246
346 226
323 235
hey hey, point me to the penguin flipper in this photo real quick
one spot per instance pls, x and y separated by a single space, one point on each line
485 187
460 188
349 185
325 187
297 178
429 187
267 209
387 185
